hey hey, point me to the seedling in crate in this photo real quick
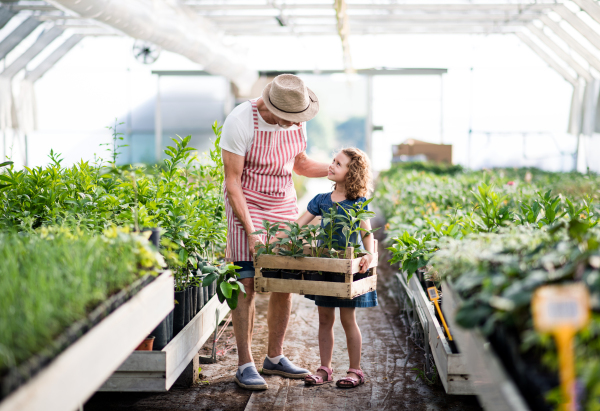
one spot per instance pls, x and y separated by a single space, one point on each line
563 310
294 242
270 230
434 297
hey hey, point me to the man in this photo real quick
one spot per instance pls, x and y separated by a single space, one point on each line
262 141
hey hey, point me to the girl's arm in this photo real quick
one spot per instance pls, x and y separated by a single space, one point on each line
369 246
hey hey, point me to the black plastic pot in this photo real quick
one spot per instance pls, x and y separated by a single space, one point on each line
200 301
315 276
179 312
359 276
212 289
194 300
161 335
271 273
187 306
205 292
338 278
289 275
171 320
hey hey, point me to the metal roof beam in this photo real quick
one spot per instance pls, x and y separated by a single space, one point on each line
40 44
579 25
590 7
547 58
324 30
35 74
377 18
249 28
560 52
5 15
572 42
17 35
426 8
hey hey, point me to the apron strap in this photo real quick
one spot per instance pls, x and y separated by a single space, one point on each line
254 114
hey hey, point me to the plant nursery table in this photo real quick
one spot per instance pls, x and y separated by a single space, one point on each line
157 371
450 366
72 377
494 388
346 266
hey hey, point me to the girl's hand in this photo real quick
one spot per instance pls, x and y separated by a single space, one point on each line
365 262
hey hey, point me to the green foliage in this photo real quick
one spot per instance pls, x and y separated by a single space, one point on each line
54 277
228 287
182 196
270 230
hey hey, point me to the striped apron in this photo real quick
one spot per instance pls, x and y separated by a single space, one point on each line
266 183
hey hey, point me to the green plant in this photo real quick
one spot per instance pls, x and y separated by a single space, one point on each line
53 277
351 220
270 231
228 287
114 146
293 244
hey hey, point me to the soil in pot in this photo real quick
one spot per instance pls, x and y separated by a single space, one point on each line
161 335
271 273
194 301
146 345
178 312
291 275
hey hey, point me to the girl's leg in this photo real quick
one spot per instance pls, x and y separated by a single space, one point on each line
353 337
326 320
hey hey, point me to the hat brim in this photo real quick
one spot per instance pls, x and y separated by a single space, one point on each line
306 115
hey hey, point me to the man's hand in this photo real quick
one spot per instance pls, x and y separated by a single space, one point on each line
253 241
365 262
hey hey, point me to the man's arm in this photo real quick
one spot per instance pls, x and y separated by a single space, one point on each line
304 166
233 167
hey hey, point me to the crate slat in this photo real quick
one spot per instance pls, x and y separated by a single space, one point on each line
303 287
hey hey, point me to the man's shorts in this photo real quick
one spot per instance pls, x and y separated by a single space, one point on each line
247 270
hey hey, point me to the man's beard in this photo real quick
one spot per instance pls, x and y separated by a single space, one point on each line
282 126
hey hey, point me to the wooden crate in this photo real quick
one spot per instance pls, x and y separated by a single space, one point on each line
349 266
72 377
157 371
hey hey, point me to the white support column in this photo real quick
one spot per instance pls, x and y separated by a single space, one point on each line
369 119
157 124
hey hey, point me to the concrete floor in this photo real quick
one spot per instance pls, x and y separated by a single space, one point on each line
392 381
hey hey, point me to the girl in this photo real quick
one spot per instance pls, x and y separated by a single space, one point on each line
350 173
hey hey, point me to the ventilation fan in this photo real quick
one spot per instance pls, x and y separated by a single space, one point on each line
145 52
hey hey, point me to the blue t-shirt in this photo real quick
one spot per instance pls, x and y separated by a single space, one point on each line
321 204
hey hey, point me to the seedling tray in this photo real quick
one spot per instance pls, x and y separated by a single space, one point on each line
74 375
342 266
157 371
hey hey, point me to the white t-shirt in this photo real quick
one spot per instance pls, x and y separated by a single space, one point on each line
237 135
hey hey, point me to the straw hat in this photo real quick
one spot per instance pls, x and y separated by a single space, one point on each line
288 98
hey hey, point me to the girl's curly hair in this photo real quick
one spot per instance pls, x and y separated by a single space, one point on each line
358 179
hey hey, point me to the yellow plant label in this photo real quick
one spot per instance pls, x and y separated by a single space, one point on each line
561 307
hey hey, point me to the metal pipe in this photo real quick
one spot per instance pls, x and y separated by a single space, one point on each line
172 28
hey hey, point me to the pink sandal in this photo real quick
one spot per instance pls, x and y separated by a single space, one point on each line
349 382
317 379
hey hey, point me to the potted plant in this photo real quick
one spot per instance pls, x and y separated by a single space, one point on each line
270 230
225 280
292 246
